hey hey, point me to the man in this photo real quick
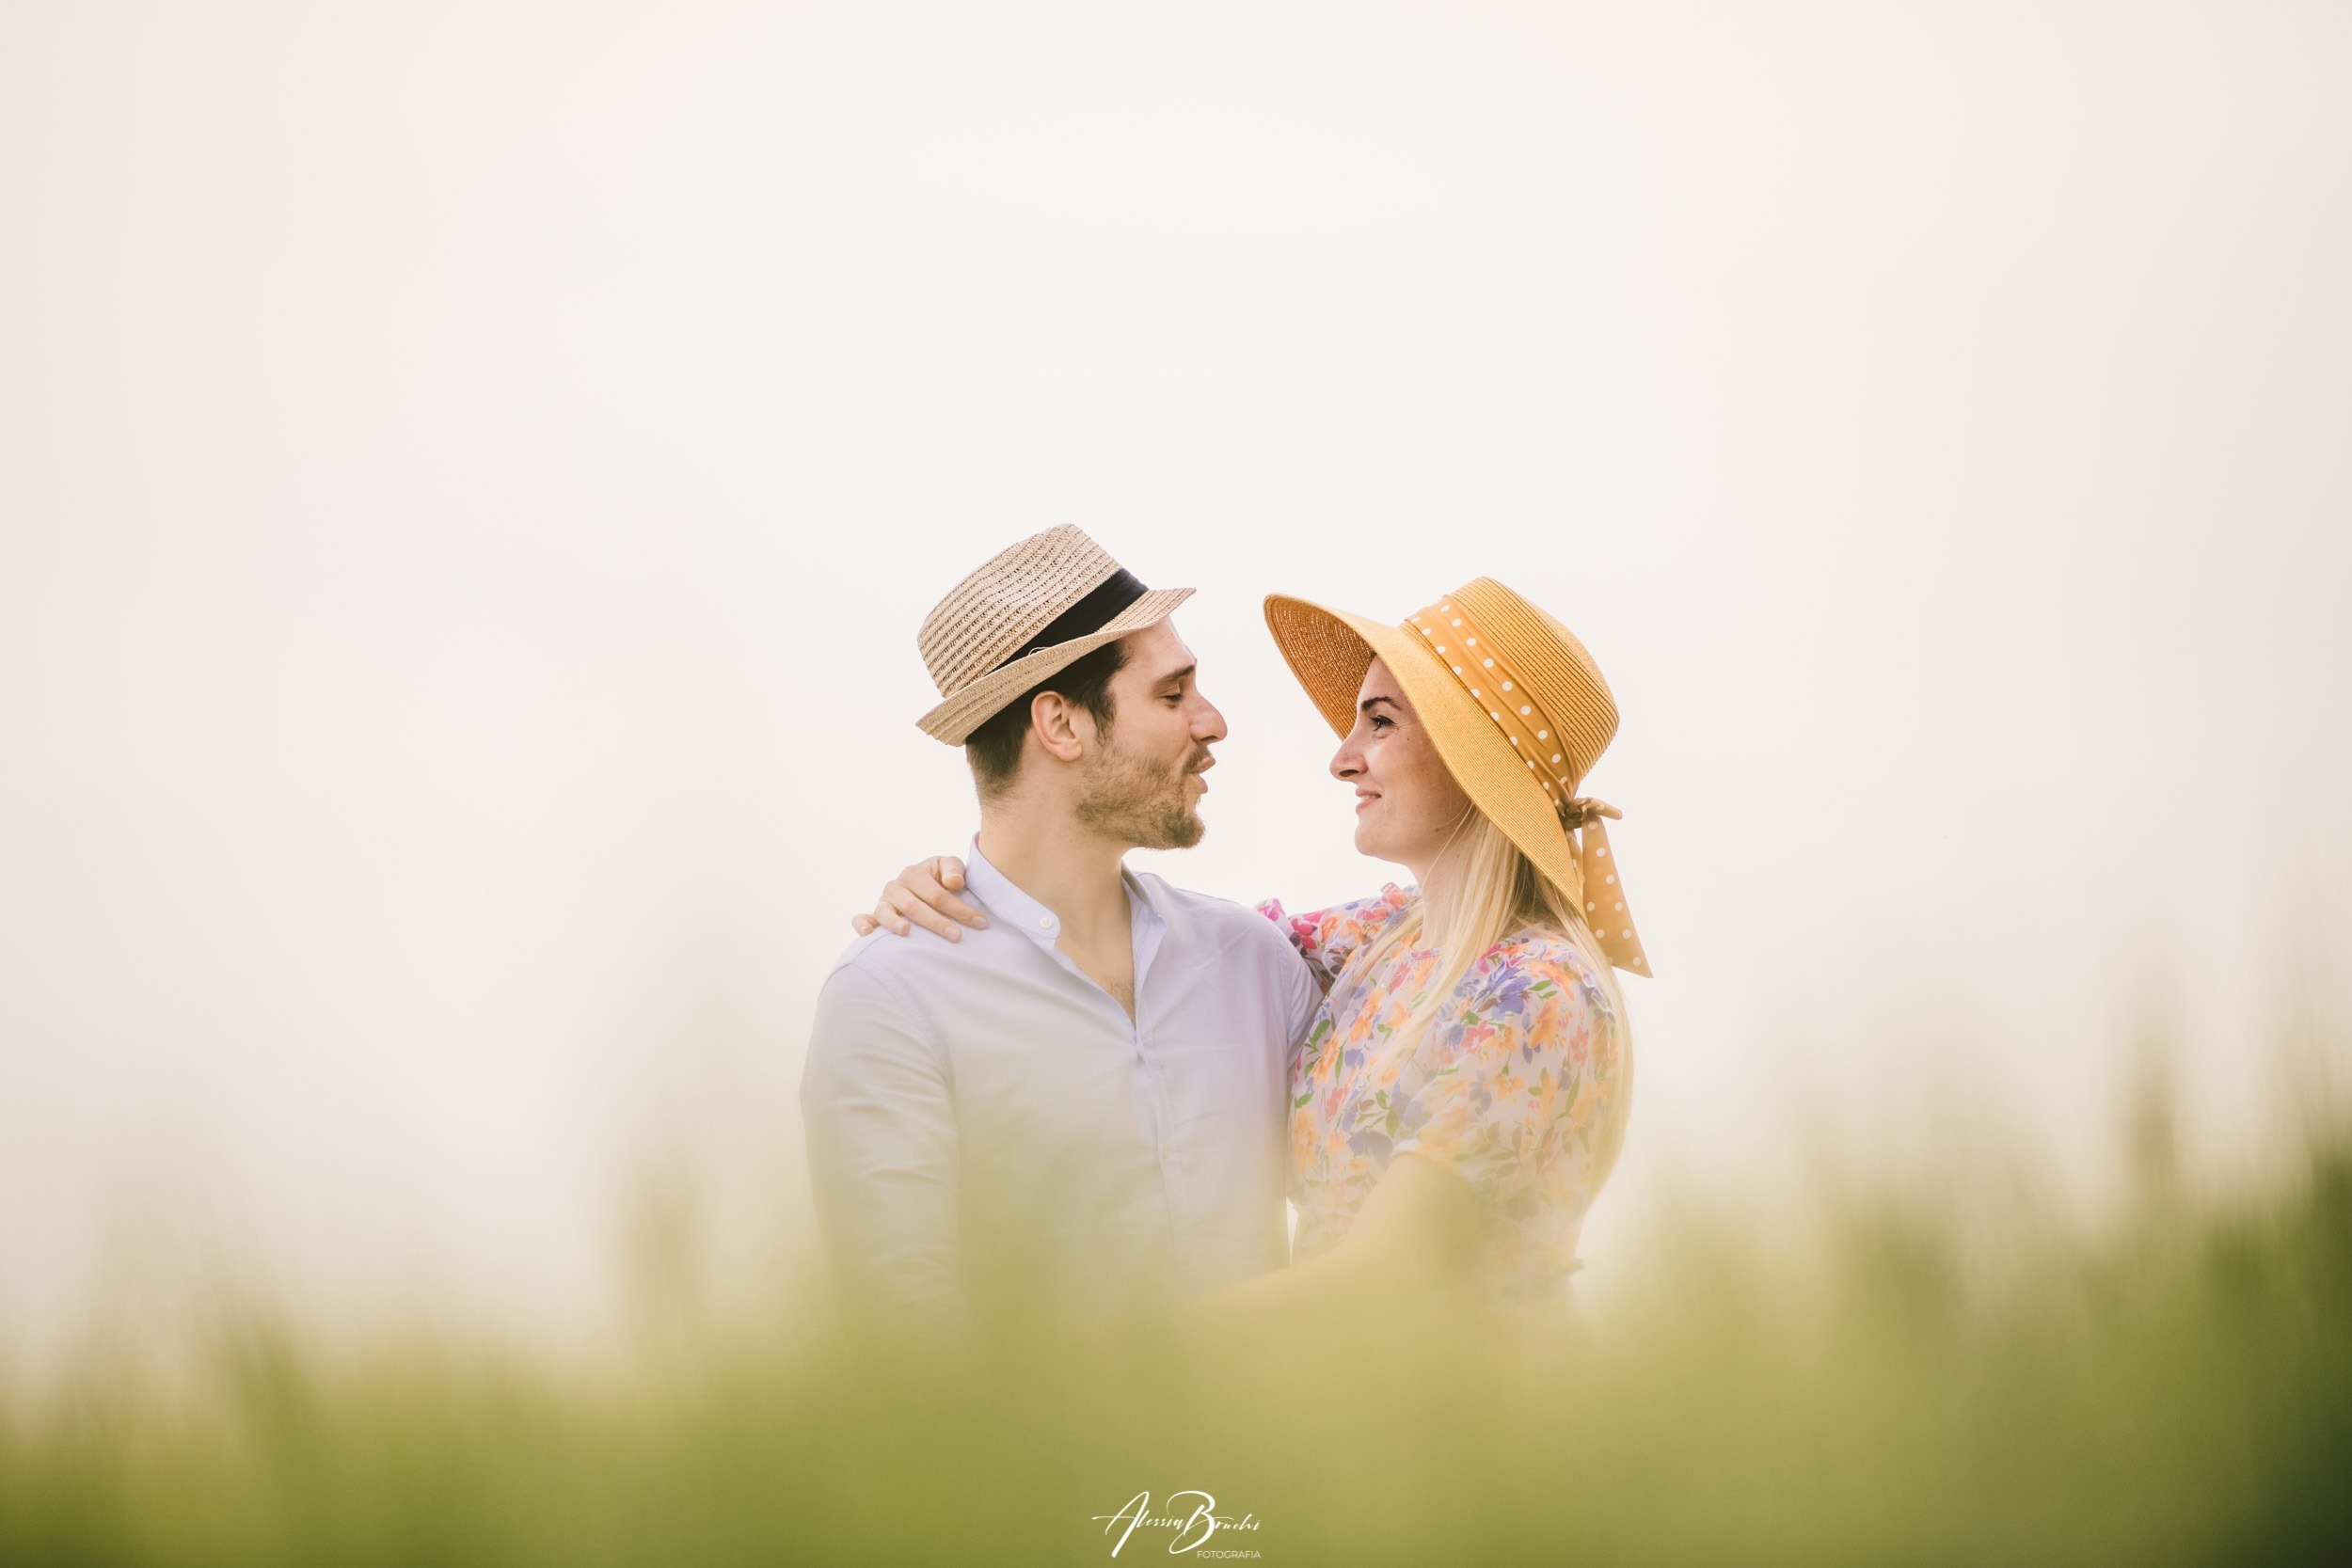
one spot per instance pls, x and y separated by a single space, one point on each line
1080 1102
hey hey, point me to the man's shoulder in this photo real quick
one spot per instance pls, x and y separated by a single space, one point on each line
897 985
1212 919
894 961
1206 909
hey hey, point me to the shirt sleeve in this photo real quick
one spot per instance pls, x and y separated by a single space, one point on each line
1514 1083
877 1102
1327 939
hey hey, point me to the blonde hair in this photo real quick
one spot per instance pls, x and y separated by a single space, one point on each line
1497 890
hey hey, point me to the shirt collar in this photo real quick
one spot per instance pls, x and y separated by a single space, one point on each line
1032 919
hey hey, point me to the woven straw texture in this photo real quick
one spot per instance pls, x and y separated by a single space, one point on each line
1330 650
1554 666
1015 594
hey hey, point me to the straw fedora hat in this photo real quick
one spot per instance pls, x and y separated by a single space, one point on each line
1029 611
1519 712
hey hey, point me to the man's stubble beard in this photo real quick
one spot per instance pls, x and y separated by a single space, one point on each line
1133 799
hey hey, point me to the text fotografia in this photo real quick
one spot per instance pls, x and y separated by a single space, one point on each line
1192 1516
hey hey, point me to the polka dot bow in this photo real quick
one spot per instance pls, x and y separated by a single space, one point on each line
1491 677
1604 899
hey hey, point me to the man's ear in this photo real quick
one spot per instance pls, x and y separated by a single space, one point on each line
1060 725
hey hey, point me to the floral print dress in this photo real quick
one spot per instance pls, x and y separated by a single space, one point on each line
1517 1086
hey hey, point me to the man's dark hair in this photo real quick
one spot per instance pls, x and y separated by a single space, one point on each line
994 750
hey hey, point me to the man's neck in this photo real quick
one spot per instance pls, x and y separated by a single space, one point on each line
1062 865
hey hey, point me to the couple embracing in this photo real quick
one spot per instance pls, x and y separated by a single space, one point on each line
1039 1080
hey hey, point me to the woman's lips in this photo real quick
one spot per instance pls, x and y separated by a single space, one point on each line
1363 799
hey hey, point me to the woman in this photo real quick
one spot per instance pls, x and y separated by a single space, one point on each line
1462 1093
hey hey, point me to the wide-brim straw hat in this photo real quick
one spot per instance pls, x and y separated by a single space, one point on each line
1029 611
1517 708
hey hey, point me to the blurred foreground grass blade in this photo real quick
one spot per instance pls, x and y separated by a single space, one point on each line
2180 1391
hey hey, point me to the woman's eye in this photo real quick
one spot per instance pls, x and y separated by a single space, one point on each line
1381 723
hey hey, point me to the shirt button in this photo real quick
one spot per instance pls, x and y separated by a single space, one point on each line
1046 921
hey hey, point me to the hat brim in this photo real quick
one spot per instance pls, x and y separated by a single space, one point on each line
1330 650
954 720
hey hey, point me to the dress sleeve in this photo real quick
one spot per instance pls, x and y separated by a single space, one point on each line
1511 1089
1327 939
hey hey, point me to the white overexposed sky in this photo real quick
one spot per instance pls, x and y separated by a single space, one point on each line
470 477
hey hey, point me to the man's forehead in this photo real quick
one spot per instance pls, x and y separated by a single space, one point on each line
1157 652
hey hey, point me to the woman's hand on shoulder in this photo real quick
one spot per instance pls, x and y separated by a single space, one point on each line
923 895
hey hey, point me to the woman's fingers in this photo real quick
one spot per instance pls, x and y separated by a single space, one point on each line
903 904
923 895
931 882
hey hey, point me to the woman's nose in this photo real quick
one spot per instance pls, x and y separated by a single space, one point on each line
1345 763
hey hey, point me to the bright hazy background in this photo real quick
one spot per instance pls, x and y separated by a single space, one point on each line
470 477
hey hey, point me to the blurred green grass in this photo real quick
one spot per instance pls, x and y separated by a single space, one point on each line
2175 1386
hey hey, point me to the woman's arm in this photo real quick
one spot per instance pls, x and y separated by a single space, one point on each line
923 895
1327 939
1502 1113
1414 1241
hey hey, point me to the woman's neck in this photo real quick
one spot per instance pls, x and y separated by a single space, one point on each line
1438 881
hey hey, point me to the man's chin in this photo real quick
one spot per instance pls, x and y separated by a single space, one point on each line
1179 829
1181 834
1161 817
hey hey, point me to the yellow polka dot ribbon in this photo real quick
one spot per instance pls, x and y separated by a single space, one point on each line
1604 895
1484 670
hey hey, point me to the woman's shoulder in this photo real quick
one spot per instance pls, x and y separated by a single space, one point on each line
1536 968
1378 906
1327 937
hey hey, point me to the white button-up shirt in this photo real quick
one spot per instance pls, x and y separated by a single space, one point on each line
985 1123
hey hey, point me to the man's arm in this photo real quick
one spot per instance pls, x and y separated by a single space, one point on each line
877 1100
